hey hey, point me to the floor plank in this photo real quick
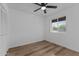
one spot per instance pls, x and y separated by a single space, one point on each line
43 51
52 52
67 52
41 48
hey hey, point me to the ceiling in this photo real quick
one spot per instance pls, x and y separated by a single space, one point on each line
30 7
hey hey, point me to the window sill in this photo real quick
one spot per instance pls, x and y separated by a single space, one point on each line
56 32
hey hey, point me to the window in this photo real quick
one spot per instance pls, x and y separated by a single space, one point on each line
59 25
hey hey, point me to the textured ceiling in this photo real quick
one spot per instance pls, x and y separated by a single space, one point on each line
30 7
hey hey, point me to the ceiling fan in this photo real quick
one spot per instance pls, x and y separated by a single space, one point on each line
44 6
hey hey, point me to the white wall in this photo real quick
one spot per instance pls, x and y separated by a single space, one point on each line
70 38
24 28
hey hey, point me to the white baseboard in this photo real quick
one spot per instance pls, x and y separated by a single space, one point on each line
24 43
63 45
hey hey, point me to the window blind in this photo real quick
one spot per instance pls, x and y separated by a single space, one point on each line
59 19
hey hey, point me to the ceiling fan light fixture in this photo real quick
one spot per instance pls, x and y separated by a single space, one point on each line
43 8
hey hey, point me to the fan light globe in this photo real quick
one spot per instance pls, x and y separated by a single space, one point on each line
43 8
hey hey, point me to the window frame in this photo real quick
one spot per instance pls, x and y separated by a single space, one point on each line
53 31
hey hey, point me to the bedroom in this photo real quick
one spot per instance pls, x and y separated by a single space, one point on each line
20 27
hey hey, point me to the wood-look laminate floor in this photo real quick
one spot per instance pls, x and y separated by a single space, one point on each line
42 48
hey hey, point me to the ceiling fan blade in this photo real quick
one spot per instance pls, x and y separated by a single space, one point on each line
51 6
37 4
45 11
37 9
